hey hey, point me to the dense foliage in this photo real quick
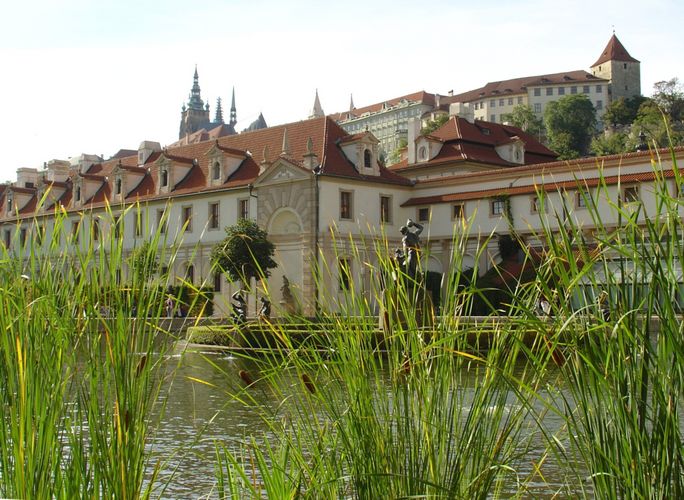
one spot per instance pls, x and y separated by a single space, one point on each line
245 252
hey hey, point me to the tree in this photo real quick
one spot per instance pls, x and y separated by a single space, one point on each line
395 156
656 125
669 96
623 111
433 125
244 253
609 145
143 262
524 118
570 124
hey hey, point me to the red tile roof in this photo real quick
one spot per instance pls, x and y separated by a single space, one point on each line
421 97
614 51
520 85
476 142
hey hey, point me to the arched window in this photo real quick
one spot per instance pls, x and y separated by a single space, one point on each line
422 153
117 188
164 178
216 171
190 274
78 193
367 158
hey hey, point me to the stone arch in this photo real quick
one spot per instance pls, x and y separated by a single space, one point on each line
285 221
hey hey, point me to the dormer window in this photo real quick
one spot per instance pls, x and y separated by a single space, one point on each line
216 171
117 186
164 181
77 193
367 158
10 202
422 153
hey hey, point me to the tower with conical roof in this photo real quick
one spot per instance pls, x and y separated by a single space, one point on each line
623 71
195 116
317 110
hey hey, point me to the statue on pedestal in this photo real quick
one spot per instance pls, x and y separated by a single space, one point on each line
239 307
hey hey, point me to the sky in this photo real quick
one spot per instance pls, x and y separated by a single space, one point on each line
96 76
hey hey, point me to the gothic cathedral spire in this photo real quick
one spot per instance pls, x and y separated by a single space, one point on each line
317 110
219 112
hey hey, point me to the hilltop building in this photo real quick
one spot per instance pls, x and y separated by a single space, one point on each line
615 74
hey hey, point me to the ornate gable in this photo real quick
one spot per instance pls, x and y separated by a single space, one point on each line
222 163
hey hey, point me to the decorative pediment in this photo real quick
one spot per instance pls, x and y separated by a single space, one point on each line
427 148
85 187
281 171
362 150
171 170
50 193
222 163
512 151
125 180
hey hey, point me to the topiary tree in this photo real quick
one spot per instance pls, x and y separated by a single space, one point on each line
244 253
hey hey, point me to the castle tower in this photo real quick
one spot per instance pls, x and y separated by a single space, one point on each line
623 71
195 116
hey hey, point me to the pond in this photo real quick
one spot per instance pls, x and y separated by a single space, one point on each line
197 416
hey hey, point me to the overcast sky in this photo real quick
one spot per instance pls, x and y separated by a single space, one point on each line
84 76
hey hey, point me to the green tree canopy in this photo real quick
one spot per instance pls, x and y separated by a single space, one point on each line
570 125
623 111
669 96
245 252
656 125
433 125
523 117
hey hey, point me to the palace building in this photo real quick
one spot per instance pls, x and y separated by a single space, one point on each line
324 198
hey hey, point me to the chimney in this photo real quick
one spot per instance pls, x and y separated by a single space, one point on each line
57 170
145 150
413 133
462 110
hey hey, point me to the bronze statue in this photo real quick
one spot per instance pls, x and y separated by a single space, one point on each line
411 239
265 311
239 307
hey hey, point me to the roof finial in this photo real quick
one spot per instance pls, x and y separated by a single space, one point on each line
265 159
233 111
286 143
317 111
309 146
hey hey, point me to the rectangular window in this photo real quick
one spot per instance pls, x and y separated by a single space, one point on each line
385 209
423 214
213 215
217 282
561 90
458 211
492 118
501 102
549 90
585 89
74 231
510 101
492 103
118 226
599 104
138 223
8 238
344 271
497 207
520 100
95 230
22 236
345 205
537 92
187 218
630 194
537 107
580 202
599 89
243 208
573 89
536 205
161 221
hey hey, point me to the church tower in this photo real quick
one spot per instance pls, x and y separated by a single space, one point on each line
623 71
317 110
195 116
